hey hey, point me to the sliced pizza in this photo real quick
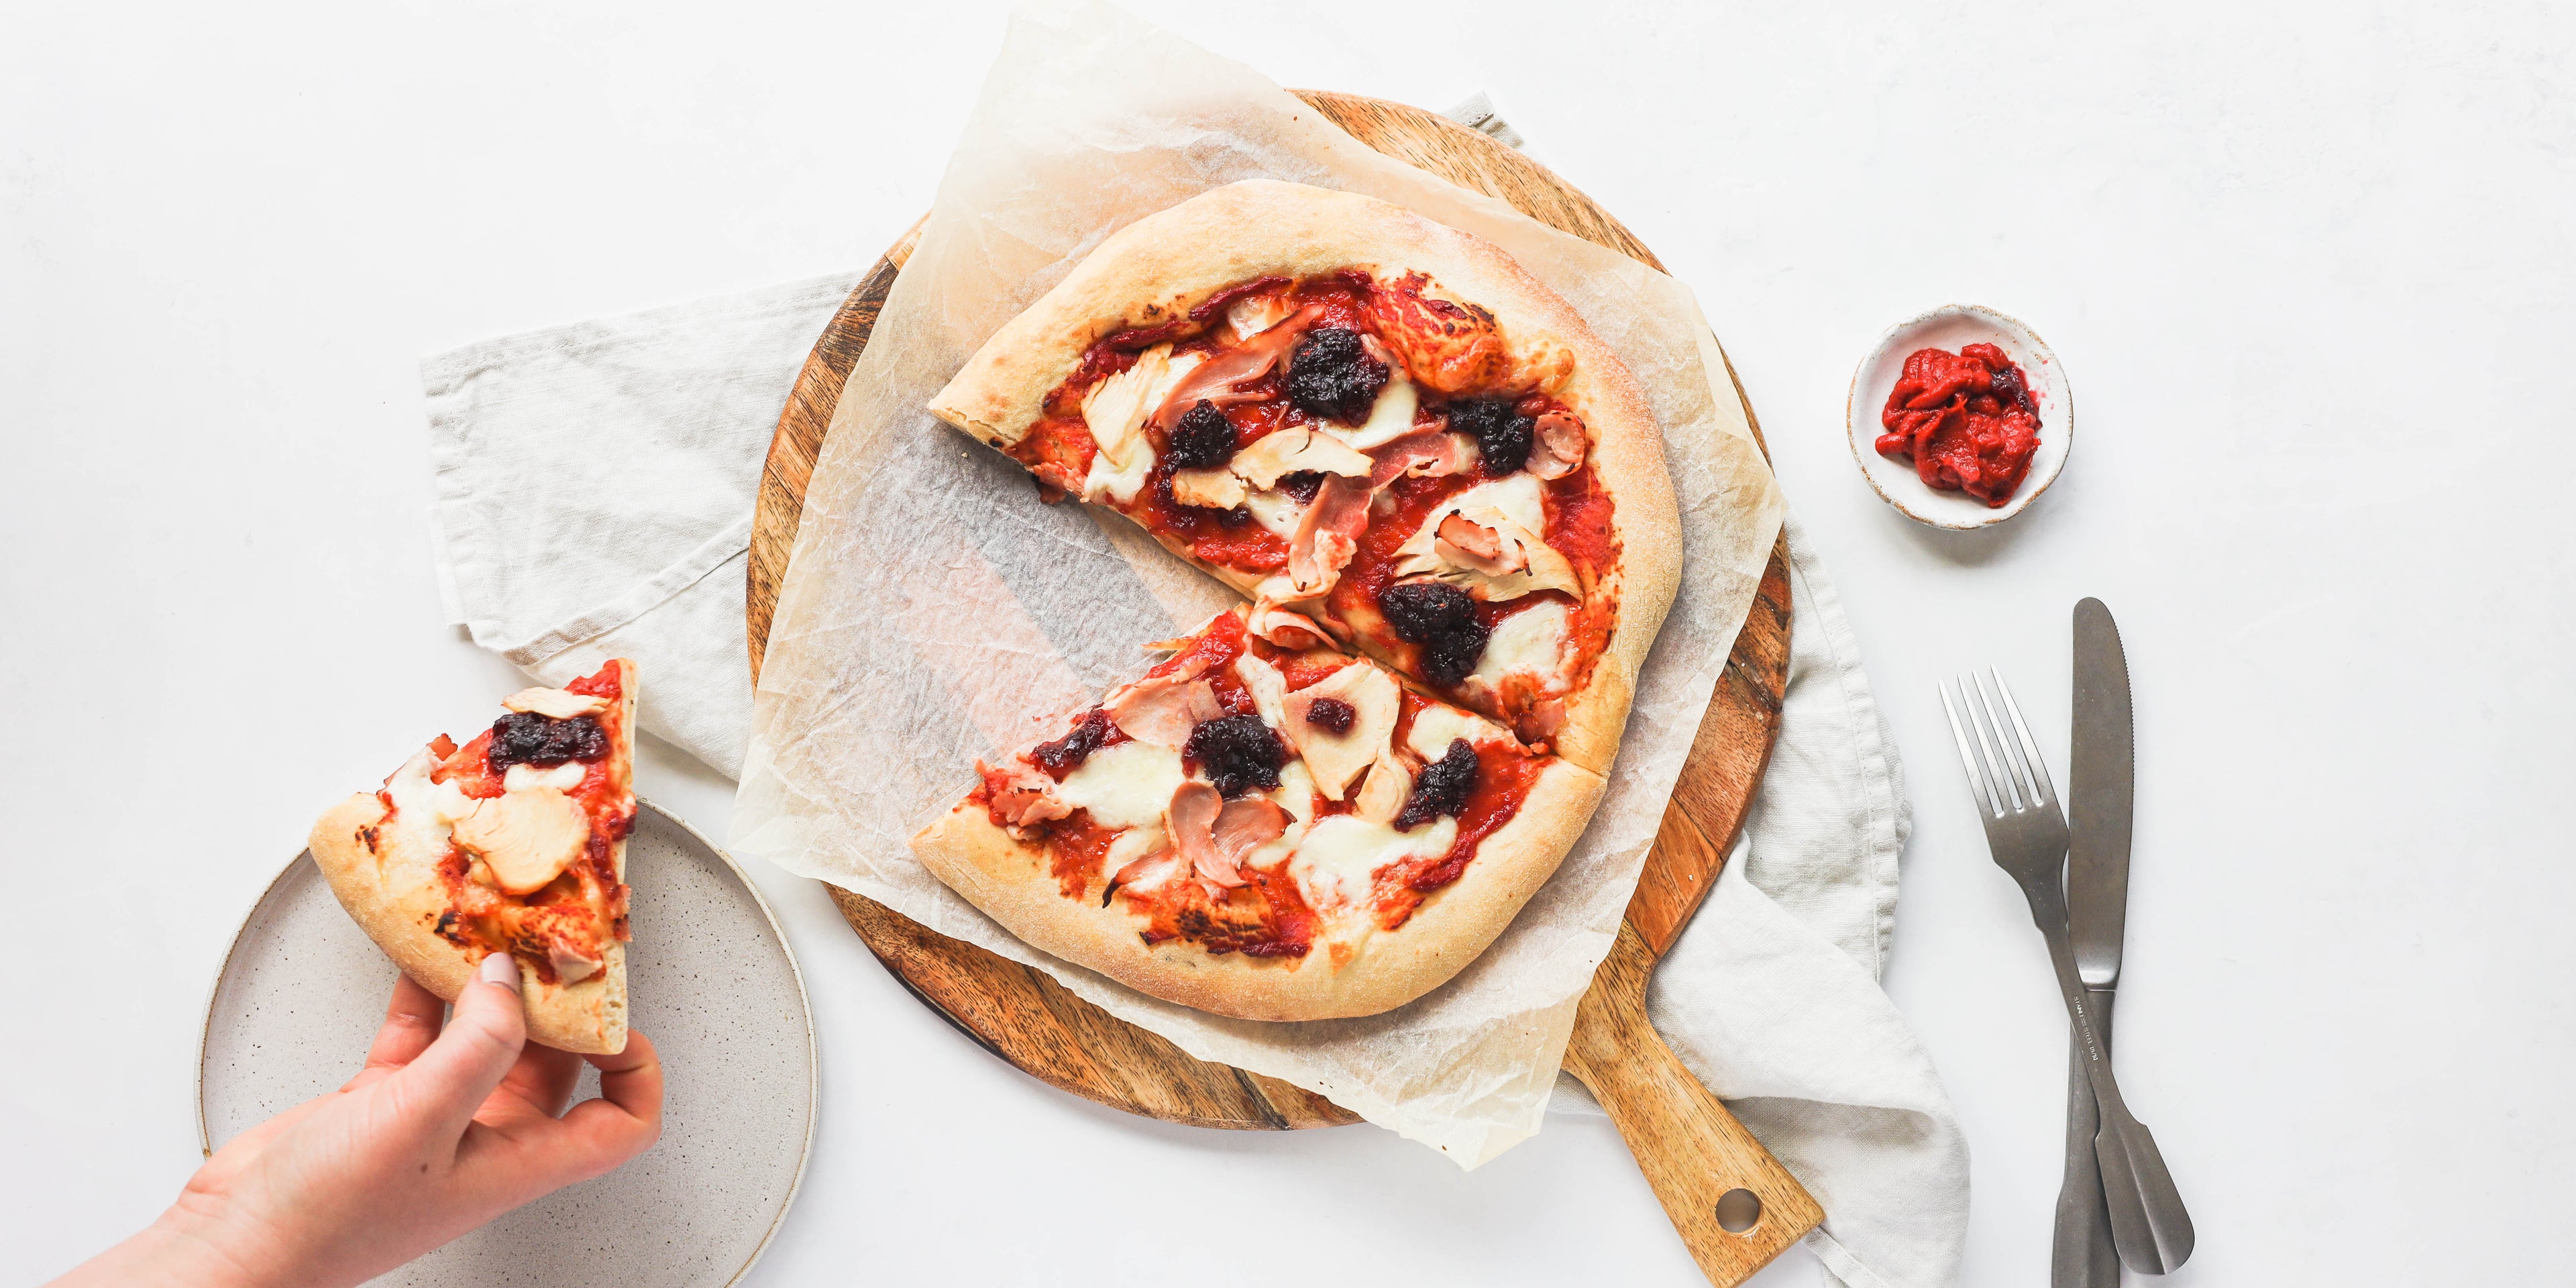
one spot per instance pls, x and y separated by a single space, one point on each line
1379 428
1275 833
514 842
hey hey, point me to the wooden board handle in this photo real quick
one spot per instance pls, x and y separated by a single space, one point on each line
1692 1151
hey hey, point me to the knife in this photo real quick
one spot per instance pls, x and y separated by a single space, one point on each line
2097 902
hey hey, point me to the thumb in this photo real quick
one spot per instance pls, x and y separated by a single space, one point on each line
450 1080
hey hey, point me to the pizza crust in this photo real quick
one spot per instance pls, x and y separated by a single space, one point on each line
1160 267
1011 882
391 889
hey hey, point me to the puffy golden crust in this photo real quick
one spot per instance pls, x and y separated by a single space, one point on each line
1011 882
1161 266
391 890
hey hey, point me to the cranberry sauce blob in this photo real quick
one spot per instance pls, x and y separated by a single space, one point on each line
1965 422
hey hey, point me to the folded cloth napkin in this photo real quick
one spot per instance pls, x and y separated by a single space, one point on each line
595 484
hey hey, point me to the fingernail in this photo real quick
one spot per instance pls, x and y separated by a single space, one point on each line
501 969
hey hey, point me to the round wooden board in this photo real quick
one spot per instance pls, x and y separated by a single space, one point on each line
1025 1017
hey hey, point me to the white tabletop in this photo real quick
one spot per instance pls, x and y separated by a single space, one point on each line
2309 272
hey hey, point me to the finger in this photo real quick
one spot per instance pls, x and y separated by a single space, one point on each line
542 1079
627 1117
623 1122
450 1080
520 1159
412 1022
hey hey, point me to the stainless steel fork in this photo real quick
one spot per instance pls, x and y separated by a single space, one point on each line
2026 830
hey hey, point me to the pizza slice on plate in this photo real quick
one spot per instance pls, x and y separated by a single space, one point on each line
1265 830
1378 427
514 842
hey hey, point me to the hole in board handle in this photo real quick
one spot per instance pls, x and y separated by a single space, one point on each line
1739 1210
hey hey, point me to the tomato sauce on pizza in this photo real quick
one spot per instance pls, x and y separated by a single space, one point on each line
1328 439
1230 748
559 921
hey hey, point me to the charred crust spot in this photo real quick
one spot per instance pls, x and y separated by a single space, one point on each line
367 838
1441 788
1502 434
1442 619
1238 753
1202 440
1331 376
527 738
1331 714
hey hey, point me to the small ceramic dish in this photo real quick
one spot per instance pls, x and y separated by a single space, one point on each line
1952 327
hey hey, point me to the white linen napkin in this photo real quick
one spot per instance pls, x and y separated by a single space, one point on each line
595 485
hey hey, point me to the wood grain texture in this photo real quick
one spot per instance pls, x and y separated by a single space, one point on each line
1026 1018
1691 1149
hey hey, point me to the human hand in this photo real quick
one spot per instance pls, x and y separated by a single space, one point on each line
441 1132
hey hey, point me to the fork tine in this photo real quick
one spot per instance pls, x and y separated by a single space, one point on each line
1968 757
2007 790
2023 788
2038 767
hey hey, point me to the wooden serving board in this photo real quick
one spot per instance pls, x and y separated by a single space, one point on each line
1022 1015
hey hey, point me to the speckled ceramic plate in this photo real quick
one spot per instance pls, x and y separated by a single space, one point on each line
710 978
1952 327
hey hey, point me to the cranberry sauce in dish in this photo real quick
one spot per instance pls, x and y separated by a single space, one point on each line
1964 420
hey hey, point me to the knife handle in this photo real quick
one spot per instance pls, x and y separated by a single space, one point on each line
1693 1152
2082 1255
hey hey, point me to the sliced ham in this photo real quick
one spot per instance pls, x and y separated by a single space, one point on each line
1540 724
1429 452
1560 446
1463 540
1146 873
1020 797
1163 709
1284 628
1246 825
1218 380
1327 535
1191 821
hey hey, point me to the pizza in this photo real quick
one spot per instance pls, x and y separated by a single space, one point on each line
514 842
1381 430
1264 830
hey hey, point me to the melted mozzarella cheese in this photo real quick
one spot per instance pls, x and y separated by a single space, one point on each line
1124 786
1516 495
1341 855
562 778
1529 640
425 811
1434 728
1295 794
1276 511
1389 418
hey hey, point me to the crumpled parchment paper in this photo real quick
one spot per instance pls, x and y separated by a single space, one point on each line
936 612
